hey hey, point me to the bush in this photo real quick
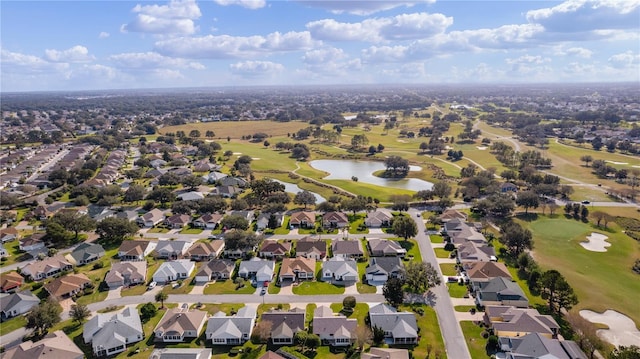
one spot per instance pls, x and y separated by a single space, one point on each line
449 246
98 265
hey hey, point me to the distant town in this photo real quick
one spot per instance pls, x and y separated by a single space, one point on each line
375 222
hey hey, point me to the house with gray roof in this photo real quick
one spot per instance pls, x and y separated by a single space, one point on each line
333 329
347 249
124 274
181 353
385 353
214 176
380 269
508 321
339 270
216 269
151 218
174 270
168 249
110 333
53 345
15 304
261 270
501 291
191 196
311 248
231 330
208 221
128 215
176 325
398 327
262 222
537 346
383 247
284 324
86 253
379 218
469 252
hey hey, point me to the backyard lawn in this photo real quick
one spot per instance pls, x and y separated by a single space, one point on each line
556 244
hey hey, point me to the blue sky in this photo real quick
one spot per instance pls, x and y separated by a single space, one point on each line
84 45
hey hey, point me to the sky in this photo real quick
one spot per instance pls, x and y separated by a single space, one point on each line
93 45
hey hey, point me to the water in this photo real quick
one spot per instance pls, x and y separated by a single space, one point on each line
293 188
345 169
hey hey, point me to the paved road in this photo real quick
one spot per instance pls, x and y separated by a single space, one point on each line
454 342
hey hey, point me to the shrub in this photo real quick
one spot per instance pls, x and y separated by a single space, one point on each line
98 265
449 246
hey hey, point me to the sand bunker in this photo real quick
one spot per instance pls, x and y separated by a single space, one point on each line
618 163
401 141
481 148
237 153
255 158
596 242
622 330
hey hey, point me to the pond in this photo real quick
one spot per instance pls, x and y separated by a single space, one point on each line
345 169
293 188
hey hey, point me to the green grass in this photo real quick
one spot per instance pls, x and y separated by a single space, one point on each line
360 312
436 238
475 342
12 324
187 230
429 332
456 290
448 269
413 251
133 291
464 308
269 306
228 287
226 308
365 288
356 222
13 249
441 253
158 230
557 245
317 288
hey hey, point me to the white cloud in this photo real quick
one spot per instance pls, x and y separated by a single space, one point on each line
151 60
249 4
175 18
625 60
17 62
103 35
75 54
587 15
361 7
528 59
400 27
377 54
321 56
95 72
256 68
575 51
225 46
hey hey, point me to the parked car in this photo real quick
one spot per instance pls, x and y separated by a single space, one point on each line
152 285
585 202
263 291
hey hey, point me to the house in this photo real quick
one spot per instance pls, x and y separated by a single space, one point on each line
216 269
227 191
248 215
177 324
10 281
274 249
333 329
339 270
385 353
508 187
191 196
233 181
125 274
98 213
53 345
177 221
32 242
380 269
460 232
261 270
379 218
284 324
299 268
8 234
482 272
156 172
501 291
128 215
311 248
202 251
384 247
208 221
231 330
181 353
335 220
157 163
450 214
110 333
151 218
67 286
303 219
14 304
469 252
168 249
398 327
508 321
262 222
46 268
272 355
86 253
42 213
3 251
537 346
347 249
135 250
204 165
173 270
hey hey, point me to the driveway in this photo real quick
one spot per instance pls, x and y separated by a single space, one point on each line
351 289
198 288
114 293
286 288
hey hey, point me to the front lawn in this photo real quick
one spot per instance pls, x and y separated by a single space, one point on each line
228 287
317 288
13 249
356 224
475 342
429 331
456 290
436 238
365 288
441 253
448 269
413 251
158 230
187 230
12 324
226 308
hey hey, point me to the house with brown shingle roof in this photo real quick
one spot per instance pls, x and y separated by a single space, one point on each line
68 285
347 249
8 234
10 281
208 221
32 242
135 250
335 220
311 248
151 218
178 220
303 219
480 273
508 321
202 251
46 268
54 345
123 274
333 329
450 214
297 268
177 324
274 249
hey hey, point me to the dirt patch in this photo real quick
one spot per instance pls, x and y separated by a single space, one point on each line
596 242
622 330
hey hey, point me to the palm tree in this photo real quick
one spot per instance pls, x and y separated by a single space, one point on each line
161 297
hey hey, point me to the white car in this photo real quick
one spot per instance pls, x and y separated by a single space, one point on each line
152 285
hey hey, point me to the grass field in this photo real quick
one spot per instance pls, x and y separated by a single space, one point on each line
315 288
475 342
237 129
228 287
602 280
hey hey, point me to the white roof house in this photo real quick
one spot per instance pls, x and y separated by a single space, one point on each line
110 333
174 270
231 330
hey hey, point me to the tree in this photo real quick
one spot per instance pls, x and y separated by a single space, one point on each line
194 133
585 333
363 335
191 181
262 332
148 311
354 204
441 190
210 134
74 221
392 291
44 316
358 141
586 159
161 297
349 302
516 238
134 193
79 312
420 276
622 352
234 222
162 195
557 291
378 334
396 166
527 199
499 205
305 198
313 341
404 227
115 230
301 339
